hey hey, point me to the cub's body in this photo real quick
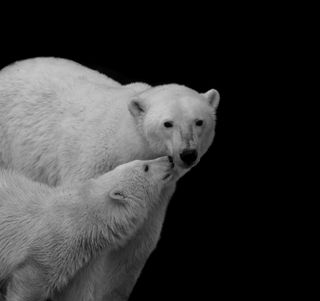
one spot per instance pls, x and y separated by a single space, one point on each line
48 234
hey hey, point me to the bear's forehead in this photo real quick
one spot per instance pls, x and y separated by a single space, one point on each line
175 95
182 105
176 101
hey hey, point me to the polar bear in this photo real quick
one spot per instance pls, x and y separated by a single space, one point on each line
48 234
61 122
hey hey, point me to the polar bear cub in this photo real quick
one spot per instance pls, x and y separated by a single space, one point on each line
48 234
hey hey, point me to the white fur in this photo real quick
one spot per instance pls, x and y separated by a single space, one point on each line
61 122
48 234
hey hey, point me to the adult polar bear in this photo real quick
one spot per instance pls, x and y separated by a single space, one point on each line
62 122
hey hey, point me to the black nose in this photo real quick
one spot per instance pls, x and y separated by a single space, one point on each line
171 161
189 156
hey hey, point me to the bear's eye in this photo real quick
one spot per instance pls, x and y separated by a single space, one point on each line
168 124
146 167
199 122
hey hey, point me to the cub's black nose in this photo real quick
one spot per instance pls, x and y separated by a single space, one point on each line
189 156
171 161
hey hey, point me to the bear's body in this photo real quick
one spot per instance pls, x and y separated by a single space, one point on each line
48 120
48 234
62 123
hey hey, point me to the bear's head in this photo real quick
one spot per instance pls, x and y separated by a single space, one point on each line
139 180
176 121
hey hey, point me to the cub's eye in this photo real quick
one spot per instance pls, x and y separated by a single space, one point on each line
199 122
146 167
168 124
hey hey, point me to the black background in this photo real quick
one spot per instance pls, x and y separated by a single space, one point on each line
213 240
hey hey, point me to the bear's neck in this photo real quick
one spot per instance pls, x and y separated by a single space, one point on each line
78 235
89 219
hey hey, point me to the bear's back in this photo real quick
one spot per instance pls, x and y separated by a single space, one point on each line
58 86
54 68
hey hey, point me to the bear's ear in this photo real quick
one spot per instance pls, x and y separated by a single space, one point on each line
137 107
117 194
213 98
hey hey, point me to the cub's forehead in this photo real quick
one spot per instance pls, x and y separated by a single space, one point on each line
130 165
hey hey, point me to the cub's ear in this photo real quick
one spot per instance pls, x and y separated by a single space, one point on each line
117 194
213 98
137 107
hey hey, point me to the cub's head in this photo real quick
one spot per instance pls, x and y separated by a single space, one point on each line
176 121
137 179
